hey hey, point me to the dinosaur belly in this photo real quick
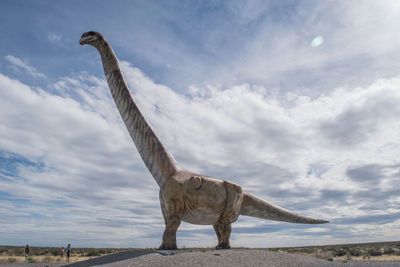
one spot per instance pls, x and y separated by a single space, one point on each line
201 216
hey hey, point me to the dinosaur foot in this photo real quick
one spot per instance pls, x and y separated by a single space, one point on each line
223 246
168 247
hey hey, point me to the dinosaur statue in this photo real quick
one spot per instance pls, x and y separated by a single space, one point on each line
184 196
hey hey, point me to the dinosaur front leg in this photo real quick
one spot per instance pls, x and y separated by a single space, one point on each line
223 232
216 229
169 236
172 213
163 208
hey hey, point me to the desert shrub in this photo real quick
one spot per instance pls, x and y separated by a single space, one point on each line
47 259
330 259
389 251
11 260
366 256
93 253
355 252
54 253
17 252
374 253
43 252
339 252
323 254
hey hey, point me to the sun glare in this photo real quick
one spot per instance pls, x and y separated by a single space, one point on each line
317 41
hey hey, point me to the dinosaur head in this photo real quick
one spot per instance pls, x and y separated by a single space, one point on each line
90 38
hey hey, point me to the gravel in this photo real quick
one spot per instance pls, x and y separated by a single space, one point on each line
235 257
252 257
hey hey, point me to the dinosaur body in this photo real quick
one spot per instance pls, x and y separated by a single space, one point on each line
184 196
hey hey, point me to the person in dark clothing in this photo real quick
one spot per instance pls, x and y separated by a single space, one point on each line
68 251
26 252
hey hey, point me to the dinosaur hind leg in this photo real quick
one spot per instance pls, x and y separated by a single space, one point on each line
234 199
223 231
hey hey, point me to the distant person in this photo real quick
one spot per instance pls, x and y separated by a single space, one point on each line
68 251
62 253
26 252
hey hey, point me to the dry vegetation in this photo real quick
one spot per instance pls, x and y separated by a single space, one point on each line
10 254
383 251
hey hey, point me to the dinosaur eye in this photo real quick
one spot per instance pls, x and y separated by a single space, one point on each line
86 34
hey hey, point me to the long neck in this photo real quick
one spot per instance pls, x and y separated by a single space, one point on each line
157 159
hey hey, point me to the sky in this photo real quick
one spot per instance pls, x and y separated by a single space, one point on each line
296 101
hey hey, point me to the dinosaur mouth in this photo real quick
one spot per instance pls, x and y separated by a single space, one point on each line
86 40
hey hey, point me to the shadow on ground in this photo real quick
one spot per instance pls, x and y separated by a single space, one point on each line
120 256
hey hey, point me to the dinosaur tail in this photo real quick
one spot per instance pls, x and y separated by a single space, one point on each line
256 207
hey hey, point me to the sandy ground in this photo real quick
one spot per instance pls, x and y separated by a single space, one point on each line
37 259
249 257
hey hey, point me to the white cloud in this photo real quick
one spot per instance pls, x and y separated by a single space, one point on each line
54 37
360 45
84 166
69 164
19 65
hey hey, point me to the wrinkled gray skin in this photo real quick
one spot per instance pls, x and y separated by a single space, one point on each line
184 196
